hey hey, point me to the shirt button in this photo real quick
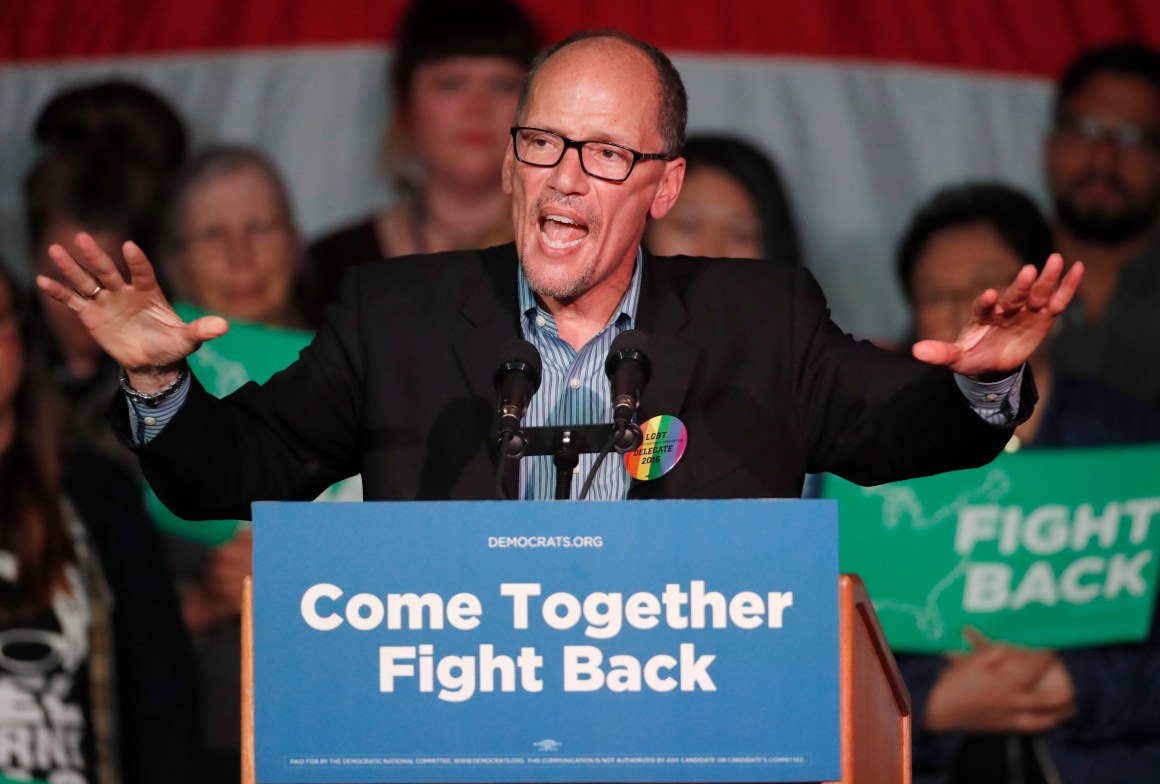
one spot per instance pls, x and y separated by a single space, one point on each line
541 321
150 420
991 397
574 383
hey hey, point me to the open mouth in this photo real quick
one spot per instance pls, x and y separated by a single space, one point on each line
560 232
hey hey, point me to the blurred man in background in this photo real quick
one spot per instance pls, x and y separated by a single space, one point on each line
1103 168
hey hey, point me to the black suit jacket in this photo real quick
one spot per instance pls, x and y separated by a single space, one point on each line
398 386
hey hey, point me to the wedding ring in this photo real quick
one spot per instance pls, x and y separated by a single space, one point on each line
94 292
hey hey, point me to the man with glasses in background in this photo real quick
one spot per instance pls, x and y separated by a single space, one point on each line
1103 169
398 383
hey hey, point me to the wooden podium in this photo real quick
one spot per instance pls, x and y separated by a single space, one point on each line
875 706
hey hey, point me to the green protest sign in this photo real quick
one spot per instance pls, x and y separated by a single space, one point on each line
1047 548
248 352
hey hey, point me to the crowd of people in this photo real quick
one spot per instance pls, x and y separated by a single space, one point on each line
1005 708
142 608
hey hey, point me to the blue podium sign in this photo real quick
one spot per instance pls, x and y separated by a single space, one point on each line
535 642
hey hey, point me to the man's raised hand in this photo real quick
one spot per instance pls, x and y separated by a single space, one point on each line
129 318
1005 329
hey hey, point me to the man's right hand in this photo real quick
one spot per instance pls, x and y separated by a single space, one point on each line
130 319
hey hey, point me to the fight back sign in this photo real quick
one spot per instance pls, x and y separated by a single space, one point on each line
1047 548
652 641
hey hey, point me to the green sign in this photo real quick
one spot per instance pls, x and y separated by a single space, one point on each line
248 352
1047 548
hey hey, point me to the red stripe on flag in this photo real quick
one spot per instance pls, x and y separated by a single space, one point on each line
1033 37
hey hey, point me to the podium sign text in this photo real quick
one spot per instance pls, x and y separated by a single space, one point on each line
520 642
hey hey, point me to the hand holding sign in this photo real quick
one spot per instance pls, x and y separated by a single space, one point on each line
1000 688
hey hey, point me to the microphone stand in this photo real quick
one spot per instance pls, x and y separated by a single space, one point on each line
565 458
627 368
565 443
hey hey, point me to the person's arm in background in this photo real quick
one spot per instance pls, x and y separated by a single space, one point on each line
1000 688
1094 694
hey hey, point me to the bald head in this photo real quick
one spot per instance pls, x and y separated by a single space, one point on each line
670 90
578 234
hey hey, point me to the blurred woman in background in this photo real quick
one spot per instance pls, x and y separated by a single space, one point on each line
96 670
732 205
456 76
230 246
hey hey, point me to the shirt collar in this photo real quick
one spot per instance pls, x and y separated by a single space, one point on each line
625 312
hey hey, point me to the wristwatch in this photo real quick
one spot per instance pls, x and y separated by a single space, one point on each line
160 396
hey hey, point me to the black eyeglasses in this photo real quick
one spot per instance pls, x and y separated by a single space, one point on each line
1126 136
602 160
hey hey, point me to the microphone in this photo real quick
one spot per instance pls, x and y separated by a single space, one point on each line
516 379
628 369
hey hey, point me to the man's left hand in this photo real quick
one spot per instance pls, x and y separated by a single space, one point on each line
1005 329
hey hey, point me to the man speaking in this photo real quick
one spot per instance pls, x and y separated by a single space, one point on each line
398 383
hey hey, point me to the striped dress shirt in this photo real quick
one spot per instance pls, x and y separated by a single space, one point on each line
573 391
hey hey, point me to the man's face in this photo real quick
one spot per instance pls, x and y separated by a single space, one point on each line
577 235
1106 190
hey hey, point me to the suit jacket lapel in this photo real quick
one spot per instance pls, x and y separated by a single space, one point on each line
662 314
492 321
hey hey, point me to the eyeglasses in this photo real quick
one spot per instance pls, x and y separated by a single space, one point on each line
602 160
1126 136
218 234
